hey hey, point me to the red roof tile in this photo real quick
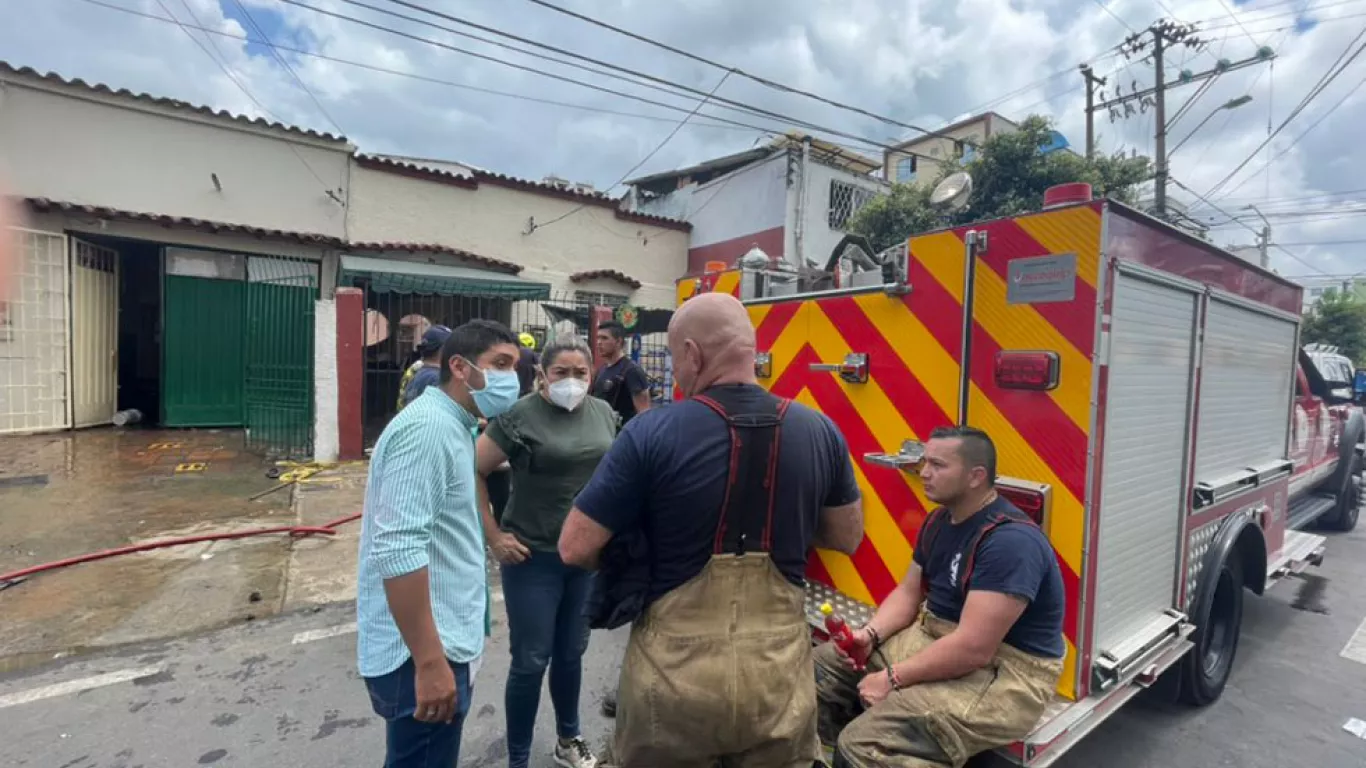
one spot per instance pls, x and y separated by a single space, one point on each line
605 274
219 114
477 176
44 204
492 263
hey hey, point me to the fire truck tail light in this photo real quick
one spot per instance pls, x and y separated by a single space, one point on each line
1034 370
1031 502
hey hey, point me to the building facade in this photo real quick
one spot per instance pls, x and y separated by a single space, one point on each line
182 262
792 199
922 160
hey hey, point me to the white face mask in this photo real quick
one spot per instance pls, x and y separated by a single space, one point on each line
568 393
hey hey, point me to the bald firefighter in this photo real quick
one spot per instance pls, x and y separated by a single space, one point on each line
974 668
727 491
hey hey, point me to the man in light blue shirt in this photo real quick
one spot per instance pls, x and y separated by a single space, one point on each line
422 596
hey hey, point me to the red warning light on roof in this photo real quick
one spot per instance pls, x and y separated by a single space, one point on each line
1035 370
1066 194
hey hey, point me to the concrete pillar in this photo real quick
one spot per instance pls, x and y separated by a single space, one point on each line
325 448
350 303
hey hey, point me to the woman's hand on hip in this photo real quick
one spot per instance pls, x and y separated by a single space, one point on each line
507 549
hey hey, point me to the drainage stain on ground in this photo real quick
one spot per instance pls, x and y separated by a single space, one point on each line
212 756
332 722
1309 597
225 719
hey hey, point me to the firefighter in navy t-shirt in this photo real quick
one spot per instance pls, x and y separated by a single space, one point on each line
620 382
976 669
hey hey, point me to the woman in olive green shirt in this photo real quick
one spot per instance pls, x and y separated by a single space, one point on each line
554 439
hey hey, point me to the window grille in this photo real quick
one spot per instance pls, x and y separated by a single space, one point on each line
845 200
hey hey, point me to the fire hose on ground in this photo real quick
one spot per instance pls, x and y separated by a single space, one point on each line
294 532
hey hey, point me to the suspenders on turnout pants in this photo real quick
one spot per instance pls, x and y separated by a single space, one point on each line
721 666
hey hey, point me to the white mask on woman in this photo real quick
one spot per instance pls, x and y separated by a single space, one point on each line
568 393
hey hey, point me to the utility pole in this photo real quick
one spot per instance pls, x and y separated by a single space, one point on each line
1263 239
1091 82
1160 107
1160 38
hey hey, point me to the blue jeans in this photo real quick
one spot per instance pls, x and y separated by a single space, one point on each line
545 600
410 743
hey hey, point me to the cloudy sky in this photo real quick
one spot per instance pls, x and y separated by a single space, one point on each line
918 62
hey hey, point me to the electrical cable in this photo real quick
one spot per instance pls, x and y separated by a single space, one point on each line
222 65
1318 88
534 226
1278 246
740 106
280 58
1266 165
700 59
434 80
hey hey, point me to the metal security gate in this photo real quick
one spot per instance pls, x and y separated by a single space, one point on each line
281 296
34 352
204 322
94 333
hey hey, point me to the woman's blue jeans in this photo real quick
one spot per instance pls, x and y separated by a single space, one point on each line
545 602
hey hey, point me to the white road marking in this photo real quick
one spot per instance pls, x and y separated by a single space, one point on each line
76 686
314 635
1355 650
324 633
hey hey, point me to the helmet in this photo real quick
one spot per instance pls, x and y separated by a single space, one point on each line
527 340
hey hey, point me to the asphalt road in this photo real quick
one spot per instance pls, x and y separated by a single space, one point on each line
284 693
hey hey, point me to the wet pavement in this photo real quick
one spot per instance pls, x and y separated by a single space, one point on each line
68 494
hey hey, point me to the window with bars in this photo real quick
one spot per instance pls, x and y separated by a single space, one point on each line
596 298
845 200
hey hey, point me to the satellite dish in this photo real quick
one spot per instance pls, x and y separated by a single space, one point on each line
953 192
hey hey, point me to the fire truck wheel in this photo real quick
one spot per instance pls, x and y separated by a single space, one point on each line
1205 670
1344 517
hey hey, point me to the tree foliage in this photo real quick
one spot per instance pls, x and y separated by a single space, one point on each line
1339 318
1009 175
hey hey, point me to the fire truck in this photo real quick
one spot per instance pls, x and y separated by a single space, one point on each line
1151 406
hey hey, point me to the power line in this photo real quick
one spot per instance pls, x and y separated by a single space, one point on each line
534 226
1278 246
439 81
1236 20
1104 7
280 58
224 67
563 51
1267 164
694 57
738 105
1318 88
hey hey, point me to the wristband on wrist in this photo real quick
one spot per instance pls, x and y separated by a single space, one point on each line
892 678
877 641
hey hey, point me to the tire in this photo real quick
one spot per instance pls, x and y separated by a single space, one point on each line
1206 668
1348 511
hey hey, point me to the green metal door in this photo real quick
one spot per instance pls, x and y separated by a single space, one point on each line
202 349
280 300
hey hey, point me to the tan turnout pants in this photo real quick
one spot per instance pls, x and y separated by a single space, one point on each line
931 725
719 671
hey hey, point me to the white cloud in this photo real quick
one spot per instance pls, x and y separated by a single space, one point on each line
919 61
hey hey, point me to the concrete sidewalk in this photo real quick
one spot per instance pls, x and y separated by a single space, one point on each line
80 492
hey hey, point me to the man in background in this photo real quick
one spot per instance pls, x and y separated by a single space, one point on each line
620 382
527 362
427 370
422 589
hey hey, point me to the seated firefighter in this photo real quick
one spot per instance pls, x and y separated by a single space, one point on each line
974 669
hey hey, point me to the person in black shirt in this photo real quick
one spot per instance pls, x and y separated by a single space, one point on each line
975 669
728 524
621 382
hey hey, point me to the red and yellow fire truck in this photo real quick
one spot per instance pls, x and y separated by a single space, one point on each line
1150 404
